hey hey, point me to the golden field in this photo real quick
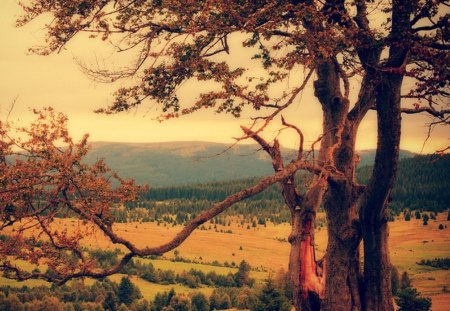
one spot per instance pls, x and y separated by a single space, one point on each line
267 249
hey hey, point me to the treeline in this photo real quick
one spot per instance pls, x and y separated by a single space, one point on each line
192 278
422 184
102 295
107 295
439 263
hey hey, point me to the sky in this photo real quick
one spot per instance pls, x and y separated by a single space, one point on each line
33 81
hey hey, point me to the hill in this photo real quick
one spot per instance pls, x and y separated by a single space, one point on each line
179 163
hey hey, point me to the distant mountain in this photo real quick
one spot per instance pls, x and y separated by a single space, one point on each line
178 163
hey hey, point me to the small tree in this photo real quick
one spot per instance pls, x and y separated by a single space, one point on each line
425 218
127 291
409 300
407 216
395 280
242 277
405 281
417 214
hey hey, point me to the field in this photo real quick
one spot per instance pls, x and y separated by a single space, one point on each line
267 250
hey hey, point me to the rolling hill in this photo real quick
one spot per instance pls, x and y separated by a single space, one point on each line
178 163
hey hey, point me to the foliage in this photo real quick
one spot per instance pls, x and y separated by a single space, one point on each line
43 176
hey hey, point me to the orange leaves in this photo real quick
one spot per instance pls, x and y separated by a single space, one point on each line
43 178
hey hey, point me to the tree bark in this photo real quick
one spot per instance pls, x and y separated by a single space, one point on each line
342 277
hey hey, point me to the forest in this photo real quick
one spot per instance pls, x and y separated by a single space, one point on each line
422 185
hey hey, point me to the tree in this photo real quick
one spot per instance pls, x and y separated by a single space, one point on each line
110 302
395 280
331 41
409 300
408 216
127 291
199 302
417 214
405 281
180 303
242 277
271 299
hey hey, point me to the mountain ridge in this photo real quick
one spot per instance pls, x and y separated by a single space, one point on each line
186 162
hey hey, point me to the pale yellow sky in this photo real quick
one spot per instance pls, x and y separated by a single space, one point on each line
56 81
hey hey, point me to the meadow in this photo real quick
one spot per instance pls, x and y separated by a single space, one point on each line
267 250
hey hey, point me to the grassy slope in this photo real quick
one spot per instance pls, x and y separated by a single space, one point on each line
261 247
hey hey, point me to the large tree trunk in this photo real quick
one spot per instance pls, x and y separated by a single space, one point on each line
342 288
343 261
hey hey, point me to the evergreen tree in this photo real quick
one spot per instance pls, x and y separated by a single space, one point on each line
126 289
395 280
405 281
242 277
407 216
417 214
110 302
271 299
409 300
425 218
